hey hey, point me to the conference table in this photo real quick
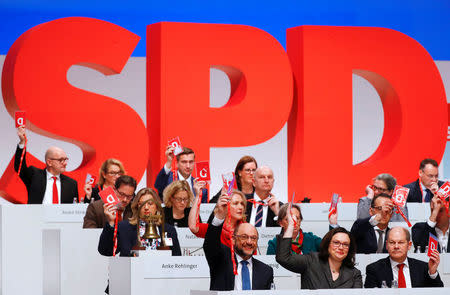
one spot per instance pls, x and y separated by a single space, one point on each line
44 250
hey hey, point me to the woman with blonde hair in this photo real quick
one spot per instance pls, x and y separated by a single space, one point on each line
238 204
129 231
110 170
177 199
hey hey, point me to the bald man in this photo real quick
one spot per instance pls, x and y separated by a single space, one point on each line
49 185
267 205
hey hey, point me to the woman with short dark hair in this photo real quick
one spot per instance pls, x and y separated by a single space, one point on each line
332 268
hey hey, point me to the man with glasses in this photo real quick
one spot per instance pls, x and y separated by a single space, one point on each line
252 274
370 233
45 186
398 269
383 183
125 187
423 189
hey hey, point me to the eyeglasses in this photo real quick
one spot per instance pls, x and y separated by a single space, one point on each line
337 244
125 196
61 160
149 202
181 200
244 238
249 171
114 173
377 188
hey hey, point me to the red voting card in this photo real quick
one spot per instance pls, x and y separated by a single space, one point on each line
400 195
109 196
176 143
229 182
20 119
444 191
432 244
91 179
333 205
202 169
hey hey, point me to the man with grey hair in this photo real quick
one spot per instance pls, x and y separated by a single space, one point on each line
399 268
262 211
383 183
49 185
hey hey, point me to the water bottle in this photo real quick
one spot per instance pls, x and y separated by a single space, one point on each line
383 284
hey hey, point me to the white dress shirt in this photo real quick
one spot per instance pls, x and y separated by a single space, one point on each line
48 195
180 177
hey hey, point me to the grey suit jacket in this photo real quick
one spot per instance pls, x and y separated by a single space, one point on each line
315 273
364 206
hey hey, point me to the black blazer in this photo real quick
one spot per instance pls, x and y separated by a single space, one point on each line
381 270
127 237
163 180
365 238
218 257
415 193
35 181
420 235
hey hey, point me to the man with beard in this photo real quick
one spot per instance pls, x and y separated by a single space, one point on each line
95 216
252 274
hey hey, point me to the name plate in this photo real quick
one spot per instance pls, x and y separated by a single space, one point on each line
64 213
195 267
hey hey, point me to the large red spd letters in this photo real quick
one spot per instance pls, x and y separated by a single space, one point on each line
309 86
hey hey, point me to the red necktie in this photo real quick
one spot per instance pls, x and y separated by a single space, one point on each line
401 276
55 191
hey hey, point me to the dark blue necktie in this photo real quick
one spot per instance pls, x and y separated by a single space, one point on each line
259 216
428 196
245 276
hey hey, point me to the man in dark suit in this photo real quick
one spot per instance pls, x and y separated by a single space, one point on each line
95 217
370 233
49 185
423 189
407 272
437 224
185 167
252 274
266 207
